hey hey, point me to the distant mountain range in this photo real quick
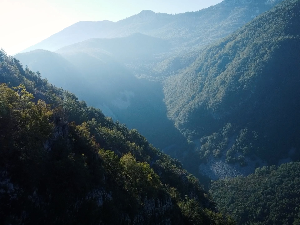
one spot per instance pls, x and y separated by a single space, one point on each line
182 30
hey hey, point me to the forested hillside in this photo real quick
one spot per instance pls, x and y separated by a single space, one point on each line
269 196
62 162
239 99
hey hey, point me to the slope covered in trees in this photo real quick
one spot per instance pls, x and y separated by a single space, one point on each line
241 95
62 162
269 196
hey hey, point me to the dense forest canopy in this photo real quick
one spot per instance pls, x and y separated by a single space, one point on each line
269 196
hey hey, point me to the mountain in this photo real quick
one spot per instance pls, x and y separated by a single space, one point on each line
62 162
238 99
182 30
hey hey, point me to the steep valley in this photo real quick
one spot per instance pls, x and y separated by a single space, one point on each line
216 90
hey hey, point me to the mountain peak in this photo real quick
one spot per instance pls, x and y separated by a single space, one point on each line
147 12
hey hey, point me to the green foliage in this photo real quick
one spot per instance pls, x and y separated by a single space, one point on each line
216 143
235 145
139 176
196 215
269 196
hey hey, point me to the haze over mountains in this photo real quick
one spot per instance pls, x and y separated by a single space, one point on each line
218 89
104 63
186 29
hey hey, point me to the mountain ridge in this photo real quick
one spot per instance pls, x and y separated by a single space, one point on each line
189 28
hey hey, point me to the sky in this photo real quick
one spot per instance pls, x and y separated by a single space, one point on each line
26 22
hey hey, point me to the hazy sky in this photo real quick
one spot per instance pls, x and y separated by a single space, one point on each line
27 22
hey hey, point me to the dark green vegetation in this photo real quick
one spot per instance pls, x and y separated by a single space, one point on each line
269 196
241 96
62 162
